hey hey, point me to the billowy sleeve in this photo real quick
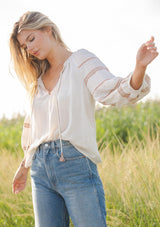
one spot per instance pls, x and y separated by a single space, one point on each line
26 134
107 88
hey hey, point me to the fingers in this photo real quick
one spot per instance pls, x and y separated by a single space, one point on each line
152 48
151 40
150 45
18 185
16 188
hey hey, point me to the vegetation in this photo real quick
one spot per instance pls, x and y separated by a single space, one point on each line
10 134
117 126
129 144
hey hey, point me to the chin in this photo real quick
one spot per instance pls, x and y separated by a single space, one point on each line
40 57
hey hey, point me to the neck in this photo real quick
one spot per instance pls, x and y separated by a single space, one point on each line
58 55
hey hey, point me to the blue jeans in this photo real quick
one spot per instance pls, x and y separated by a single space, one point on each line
72 188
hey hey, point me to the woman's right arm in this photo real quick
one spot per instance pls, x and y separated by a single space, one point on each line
20 178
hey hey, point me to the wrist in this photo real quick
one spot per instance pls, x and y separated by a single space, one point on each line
23 168
138 75
140 67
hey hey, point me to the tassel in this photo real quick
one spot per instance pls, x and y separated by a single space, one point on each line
62 158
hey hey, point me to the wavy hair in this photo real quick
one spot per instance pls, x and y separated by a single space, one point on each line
27 67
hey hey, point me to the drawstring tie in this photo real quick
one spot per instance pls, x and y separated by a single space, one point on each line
61 159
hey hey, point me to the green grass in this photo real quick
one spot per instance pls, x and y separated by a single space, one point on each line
10 133
128 123
15 210
129 145
114 125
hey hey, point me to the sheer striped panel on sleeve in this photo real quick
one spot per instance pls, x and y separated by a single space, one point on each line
26 134
107 88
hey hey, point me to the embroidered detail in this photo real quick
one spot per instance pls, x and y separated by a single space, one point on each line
25 148
147 79
122 93
117 85
100 85
26 125
92 72
126 95
125 79
133 99
86 61
145 89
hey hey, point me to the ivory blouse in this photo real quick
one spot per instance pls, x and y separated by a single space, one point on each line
68 112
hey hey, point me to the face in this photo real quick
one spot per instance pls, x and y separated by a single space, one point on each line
36 42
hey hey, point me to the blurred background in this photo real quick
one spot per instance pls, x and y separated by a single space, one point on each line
113 30
128 137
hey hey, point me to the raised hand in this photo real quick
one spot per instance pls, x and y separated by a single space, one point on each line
146 53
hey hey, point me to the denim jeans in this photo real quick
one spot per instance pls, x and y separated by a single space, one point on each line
72 188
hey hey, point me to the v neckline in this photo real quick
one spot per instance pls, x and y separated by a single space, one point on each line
60 75
61 72
54 88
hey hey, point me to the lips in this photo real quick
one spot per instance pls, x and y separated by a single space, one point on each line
36 52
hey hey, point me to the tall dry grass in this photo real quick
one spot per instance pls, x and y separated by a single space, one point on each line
15 210
131 179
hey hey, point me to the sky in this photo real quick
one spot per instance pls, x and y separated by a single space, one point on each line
112 29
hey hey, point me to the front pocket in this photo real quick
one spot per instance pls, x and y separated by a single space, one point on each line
70 153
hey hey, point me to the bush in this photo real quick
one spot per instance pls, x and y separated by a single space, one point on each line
117 126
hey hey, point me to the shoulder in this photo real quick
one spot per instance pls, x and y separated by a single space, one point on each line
83 55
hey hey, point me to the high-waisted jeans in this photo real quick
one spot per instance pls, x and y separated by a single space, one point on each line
72 188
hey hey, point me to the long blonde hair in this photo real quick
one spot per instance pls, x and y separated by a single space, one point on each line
27 67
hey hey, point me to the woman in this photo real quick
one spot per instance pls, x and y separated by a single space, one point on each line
59 133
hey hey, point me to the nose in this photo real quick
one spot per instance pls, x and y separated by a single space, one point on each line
29 47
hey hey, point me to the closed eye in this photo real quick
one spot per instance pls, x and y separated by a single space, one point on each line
25 47
31 39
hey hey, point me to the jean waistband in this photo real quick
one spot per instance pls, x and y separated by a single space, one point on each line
55 143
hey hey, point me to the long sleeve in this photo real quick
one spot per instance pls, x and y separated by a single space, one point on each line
107 88
26 134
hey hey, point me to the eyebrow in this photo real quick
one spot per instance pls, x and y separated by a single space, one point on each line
26 39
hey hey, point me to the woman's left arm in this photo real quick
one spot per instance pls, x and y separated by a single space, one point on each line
112 90
145 55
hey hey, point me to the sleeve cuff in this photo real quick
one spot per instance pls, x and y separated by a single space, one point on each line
145 87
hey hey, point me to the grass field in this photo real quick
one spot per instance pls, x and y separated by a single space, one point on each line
130 170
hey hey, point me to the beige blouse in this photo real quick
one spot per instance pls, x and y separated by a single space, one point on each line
68 112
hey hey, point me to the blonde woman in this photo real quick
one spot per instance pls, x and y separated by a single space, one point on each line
59 133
